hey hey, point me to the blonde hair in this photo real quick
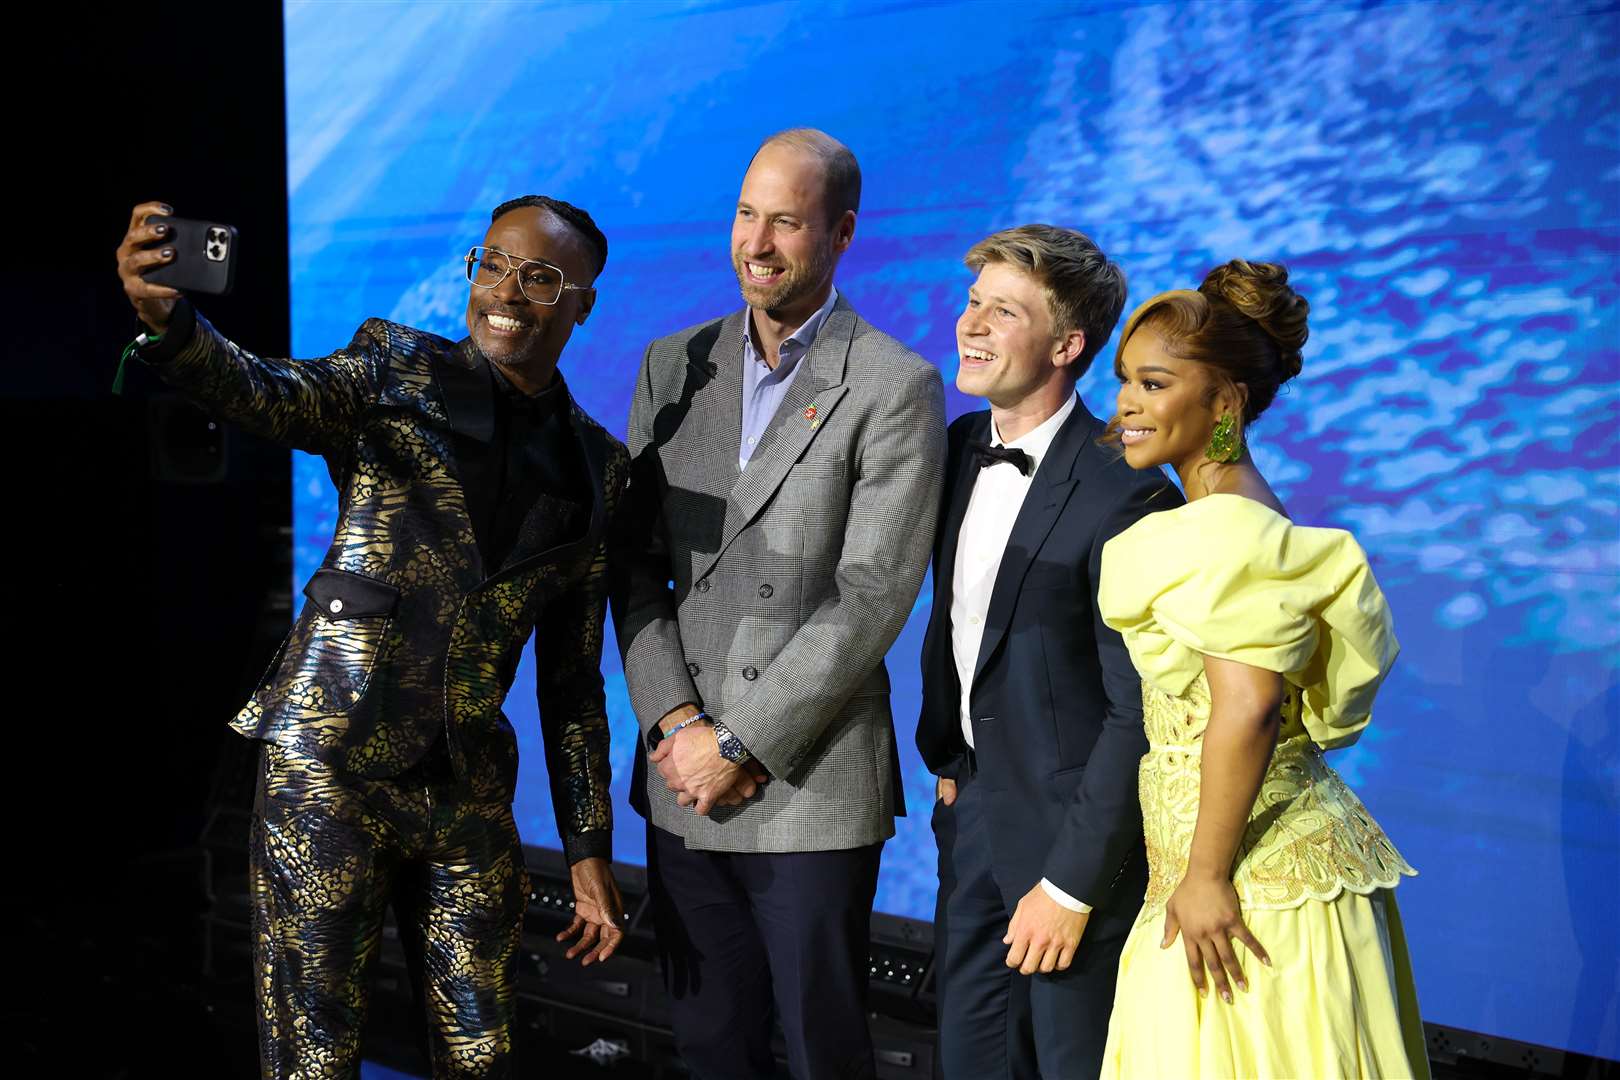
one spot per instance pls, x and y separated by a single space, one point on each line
1084 291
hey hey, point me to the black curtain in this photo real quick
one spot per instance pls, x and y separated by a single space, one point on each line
148 543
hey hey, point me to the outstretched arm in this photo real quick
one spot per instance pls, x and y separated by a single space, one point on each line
313 405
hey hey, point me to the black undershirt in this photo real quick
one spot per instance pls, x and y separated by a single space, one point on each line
532 452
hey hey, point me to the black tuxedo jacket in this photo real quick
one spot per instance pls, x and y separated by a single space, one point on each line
407 637
1056 704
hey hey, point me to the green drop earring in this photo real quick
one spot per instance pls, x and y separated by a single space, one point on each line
1225 444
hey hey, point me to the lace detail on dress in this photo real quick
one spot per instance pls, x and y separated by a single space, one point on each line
1308 836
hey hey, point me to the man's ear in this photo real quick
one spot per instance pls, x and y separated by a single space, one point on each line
1069 348
844 232
587 300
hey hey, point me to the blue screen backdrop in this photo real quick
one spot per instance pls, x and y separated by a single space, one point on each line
1443 180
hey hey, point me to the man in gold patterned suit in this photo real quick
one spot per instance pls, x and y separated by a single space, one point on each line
475 502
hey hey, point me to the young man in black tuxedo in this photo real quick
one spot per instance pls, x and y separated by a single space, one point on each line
1031 713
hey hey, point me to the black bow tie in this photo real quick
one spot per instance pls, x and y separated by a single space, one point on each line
990 455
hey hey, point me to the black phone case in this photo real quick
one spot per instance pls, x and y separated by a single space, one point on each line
204 256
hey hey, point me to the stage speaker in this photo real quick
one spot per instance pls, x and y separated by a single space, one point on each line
904 1051
624 1003
902 954
551 899
628 986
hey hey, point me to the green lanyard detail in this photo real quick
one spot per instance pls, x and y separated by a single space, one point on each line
130 350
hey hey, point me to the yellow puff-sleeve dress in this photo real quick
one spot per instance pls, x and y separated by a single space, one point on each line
1226 576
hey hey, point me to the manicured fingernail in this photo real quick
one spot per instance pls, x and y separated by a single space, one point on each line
1226 996
1243 986
167 209
168 253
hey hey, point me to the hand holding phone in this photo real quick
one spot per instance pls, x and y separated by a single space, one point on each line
161 255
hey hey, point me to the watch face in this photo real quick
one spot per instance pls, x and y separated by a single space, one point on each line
730 747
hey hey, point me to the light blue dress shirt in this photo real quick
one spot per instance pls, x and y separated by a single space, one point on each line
764 388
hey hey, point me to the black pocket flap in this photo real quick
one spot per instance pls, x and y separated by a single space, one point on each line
339 594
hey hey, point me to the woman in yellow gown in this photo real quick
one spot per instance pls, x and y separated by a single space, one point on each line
1269 944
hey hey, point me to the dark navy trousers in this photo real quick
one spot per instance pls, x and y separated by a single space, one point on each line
995 1024
748 937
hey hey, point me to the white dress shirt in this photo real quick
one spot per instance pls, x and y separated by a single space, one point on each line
998 494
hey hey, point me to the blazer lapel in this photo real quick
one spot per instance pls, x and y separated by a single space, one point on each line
467 396
464 381
791 430
716 403
1054 482
468 391
593 449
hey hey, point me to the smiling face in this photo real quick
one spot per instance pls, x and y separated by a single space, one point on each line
524 338
783 248
1011 353
1168 405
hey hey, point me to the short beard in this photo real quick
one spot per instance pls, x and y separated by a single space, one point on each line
797 283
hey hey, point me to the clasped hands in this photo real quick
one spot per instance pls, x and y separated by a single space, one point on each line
691 765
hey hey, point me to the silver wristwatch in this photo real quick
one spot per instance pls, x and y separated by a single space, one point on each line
731 747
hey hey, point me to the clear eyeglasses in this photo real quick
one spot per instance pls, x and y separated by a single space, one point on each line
541 282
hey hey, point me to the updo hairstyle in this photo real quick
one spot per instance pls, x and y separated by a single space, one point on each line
1244 321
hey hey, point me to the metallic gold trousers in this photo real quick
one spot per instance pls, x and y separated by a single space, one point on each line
328 856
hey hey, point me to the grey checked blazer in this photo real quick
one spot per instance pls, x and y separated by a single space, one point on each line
769 596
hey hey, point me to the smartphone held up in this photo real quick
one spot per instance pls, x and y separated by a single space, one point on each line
204 256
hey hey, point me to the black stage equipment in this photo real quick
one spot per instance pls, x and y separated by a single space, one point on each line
617 1013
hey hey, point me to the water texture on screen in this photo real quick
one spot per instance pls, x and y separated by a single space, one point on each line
1443 180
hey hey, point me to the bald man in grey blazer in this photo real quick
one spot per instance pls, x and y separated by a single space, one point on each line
788 468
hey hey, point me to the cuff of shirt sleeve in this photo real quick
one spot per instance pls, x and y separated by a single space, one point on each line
182 327
1063 899
593 844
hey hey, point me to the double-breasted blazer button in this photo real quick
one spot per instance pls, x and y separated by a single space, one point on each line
692 670
765 592
335 606
703 585
750 674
